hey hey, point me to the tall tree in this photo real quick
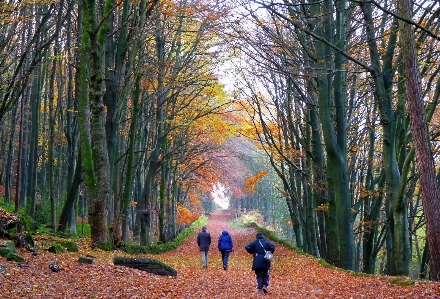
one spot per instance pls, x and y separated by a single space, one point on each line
425 161
93 147
382 74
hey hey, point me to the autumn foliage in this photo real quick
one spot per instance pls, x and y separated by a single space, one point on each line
184 216
251 183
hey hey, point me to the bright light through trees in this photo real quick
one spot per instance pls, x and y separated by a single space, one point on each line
219 196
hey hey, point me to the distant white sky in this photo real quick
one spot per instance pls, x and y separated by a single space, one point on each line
220 197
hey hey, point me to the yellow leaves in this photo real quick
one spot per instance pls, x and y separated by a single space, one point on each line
18 11
369 193
168 8
354 149
367 225
323 208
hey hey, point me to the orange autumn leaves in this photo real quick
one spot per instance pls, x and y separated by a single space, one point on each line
251 183
184 216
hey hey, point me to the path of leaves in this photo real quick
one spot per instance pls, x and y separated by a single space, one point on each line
292 275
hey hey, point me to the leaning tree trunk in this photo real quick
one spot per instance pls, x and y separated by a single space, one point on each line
425 161
72 195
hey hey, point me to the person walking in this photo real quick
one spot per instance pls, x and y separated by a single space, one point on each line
204 241
261 267
225 246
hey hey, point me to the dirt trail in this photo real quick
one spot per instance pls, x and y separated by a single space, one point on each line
292 275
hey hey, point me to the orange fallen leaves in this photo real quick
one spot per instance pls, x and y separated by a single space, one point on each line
292 275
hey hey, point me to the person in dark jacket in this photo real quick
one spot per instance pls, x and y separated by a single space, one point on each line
261 267
225 246
204 241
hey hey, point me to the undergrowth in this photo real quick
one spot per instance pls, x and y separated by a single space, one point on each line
134 248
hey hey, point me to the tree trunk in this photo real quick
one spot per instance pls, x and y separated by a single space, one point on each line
33 140
95 163
72 195
51 141
425 161
162 206
425 261
20 153
130 169
334 133
130 62
10 158
74 176
382 83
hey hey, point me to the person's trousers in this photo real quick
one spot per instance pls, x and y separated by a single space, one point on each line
262 277
225 257
204 254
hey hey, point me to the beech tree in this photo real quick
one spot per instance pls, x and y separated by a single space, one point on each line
93 148
96 136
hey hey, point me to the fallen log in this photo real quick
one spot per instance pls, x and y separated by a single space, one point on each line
146 264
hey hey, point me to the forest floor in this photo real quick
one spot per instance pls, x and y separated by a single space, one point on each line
292 275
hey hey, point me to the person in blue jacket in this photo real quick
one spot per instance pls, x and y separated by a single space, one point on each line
261 267
225 246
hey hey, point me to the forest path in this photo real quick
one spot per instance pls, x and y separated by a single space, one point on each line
292 275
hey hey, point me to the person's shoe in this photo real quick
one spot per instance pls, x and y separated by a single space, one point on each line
260 291
225 267
264 288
